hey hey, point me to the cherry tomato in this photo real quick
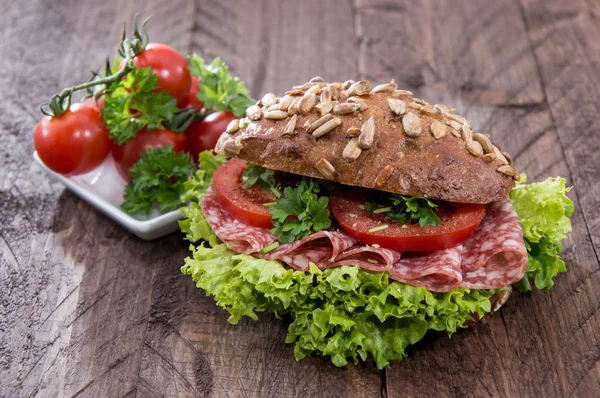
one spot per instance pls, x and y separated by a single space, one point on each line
205 134
128 154
191 99
74 143
169 65
242 202
457 223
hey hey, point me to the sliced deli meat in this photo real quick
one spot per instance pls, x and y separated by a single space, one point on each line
321 248
367 257
495 255
238 236
438 271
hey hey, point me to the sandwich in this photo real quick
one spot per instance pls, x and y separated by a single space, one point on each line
366 217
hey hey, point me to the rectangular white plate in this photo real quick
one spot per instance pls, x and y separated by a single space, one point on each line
103 188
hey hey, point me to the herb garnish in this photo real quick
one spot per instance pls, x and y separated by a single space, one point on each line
300 212
158 177
219 90
404 209
264 177
132 103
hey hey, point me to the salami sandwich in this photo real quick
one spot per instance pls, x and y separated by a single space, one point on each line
369 216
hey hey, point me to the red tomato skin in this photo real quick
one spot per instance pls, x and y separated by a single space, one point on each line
204 135
455 227
75 143
243 203
191 99
169 65
128 154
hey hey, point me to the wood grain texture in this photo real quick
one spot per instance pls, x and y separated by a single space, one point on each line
87 309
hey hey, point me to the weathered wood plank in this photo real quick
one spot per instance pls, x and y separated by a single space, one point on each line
75 288
463 54
190 348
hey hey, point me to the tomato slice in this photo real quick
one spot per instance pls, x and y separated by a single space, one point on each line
243 202
457 223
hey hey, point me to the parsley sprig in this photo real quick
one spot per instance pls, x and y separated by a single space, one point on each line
158 177
404 209
300 212
264 177
132 104
219 90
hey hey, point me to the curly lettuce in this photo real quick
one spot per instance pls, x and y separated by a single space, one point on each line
342 312
544 210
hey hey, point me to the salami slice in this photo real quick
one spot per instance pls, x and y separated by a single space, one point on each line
495 255
320 248
238 236
367 257
438 271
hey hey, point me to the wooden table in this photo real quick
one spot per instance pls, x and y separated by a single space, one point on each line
89 310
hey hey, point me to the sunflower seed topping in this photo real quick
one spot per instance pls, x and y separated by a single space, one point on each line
489 157
502 299
313 90
353 132
326 95
507 170
431 110
367 133
293 109
362 87
357 100
269 99
412 125
397 106
352 150
345 108
307 103
466 133
443 108
274 107
401 93
455 133
325 168
294 93
384 175
454 124
254 112
233 147
508 158
420 101
337 85
319 122
346 85
290 127
475 148
285 102
325 107
385 88
233 126
500 156
306 124
243 122
484 141
414 105
276 115
317 79
326 127
438 130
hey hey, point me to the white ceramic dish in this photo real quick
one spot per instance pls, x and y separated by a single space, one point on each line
103 188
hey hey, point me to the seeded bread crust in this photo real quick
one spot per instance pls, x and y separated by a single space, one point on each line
380 138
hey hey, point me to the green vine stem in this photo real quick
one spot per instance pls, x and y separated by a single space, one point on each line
128 49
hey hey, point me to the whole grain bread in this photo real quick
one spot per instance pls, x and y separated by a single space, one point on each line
374 137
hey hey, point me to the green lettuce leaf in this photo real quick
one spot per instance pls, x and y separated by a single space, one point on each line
544 210
342 312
